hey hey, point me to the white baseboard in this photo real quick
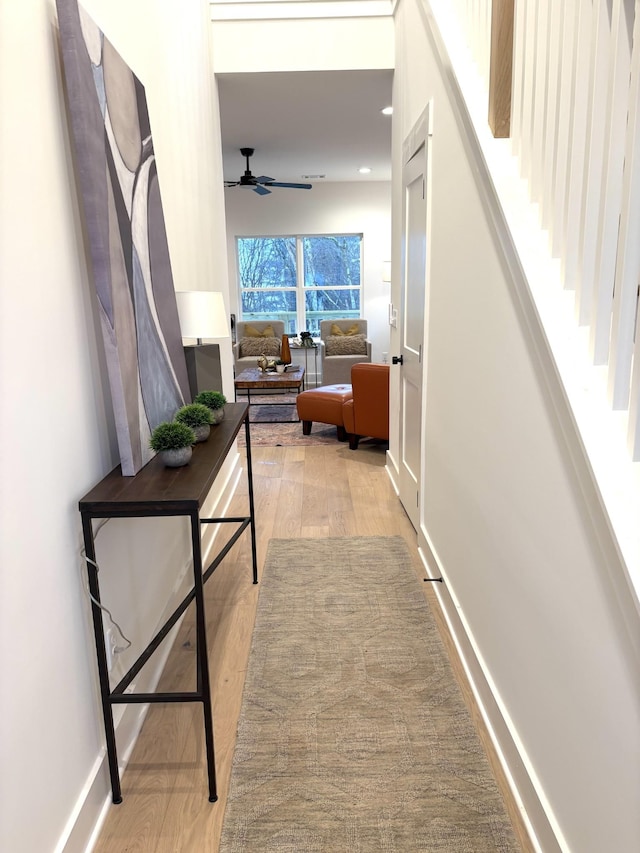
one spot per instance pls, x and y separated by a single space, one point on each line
393 471
92 806
543 830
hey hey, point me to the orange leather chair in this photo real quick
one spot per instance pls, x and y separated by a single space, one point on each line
367 413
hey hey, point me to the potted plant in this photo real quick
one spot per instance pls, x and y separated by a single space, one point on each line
280 365
213 400
198 417
173 440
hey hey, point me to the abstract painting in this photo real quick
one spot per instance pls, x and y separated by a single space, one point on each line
127 240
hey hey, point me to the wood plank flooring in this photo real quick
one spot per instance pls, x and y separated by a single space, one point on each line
308 492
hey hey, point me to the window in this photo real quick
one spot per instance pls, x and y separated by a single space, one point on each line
300 280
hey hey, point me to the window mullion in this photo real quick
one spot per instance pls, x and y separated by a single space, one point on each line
301 306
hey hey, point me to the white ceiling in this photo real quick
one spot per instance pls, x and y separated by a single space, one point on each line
307 123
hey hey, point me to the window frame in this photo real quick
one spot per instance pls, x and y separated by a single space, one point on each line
300 288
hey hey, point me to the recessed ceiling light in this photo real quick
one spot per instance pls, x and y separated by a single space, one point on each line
387 111
364 170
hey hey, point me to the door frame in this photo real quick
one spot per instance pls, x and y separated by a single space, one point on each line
416 143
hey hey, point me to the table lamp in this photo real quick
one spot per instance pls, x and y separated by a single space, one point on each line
202 316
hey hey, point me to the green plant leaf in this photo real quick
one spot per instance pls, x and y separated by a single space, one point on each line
211 399
171 435
194 415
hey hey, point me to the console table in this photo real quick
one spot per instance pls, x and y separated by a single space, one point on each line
160 491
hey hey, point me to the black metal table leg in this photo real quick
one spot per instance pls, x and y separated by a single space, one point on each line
252 523
202 657
101 654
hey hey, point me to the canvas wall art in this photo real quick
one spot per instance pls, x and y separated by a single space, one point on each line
126 233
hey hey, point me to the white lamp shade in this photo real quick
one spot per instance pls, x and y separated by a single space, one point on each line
202 314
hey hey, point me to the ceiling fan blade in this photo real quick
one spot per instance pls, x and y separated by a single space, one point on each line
262 184
291 186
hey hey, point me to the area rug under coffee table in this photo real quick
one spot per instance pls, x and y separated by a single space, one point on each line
353 735
266 433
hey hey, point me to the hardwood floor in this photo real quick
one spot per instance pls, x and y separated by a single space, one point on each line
306 492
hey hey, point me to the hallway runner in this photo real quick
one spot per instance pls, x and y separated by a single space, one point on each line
353 735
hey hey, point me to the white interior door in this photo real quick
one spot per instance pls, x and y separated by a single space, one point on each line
412 316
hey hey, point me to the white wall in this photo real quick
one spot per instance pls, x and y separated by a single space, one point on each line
56 432
302 45
339 208
511 515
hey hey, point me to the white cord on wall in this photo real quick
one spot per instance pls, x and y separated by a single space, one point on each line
117 649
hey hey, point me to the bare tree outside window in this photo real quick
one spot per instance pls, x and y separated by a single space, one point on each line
326 285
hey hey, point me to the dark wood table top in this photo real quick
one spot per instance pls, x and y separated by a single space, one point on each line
157 490
253 377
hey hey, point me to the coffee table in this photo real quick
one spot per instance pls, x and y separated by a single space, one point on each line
253 379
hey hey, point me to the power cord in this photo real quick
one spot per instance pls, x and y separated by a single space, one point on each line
83 552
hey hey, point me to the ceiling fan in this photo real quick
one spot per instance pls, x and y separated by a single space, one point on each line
261 184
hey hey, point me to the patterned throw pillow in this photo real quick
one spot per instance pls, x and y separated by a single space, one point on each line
252 332
352 330
259 346
346 345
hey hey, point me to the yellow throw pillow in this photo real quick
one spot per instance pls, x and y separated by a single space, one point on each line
352 330
252 332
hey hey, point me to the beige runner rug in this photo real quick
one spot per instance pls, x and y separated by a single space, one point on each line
353 735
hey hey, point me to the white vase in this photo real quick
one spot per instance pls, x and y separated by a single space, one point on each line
280 368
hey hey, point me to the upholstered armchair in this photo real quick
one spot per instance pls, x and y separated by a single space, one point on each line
343 343
255 338
367 412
